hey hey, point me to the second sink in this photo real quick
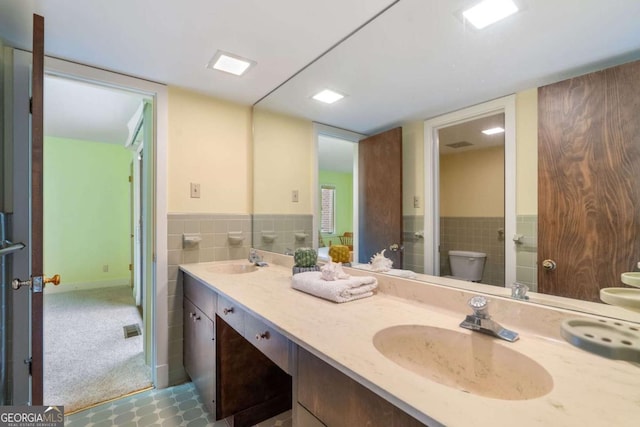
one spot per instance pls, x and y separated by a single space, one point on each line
472 363
235 268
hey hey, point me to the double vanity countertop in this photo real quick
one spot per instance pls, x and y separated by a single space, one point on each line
588 390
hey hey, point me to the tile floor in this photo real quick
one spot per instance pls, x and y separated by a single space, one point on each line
171 407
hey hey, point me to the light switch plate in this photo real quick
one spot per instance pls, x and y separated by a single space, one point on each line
195 190
416 202
294 196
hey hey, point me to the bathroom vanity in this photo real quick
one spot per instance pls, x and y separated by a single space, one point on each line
363 362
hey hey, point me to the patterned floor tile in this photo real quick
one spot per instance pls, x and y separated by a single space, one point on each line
178 406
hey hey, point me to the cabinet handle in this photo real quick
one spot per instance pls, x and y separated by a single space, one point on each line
191 314
196 317
263 336
228 310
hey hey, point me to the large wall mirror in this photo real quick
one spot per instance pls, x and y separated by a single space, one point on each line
414 64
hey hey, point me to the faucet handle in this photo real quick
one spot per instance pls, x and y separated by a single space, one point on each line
479 305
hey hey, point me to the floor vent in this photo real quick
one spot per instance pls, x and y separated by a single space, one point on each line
132 330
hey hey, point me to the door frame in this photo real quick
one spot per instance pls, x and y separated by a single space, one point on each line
506 105
347 135
16 103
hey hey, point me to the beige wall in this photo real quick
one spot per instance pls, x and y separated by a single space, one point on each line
284 160
412 167
472 183
527 152
209 144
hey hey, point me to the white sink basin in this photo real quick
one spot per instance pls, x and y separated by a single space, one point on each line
234 268
473 363
622 297
631 278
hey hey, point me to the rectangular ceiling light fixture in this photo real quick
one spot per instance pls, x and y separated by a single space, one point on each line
327 96
230 63
488 12
493 131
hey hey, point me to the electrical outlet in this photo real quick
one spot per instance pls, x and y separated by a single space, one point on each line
416 202
294 196
105 268
195 190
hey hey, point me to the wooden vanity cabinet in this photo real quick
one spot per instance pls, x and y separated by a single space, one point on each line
235 377
199 360
199 348
328 397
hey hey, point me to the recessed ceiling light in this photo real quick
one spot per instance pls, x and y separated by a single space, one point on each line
487 12
493 131
327 96
230 63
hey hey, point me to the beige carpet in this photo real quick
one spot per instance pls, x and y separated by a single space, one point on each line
87 360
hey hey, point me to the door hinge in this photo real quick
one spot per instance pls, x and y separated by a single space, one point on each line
29 362
30 105
130 267
130 178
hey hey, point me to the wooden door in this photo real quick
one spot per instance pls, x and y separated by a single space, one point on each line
589 181
380 196
37 138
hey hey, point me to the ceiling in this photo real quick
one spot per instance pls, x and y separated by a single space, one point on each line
416 60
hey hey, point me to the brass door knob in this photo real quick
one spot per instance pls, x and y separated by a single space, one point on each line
549 264
55 280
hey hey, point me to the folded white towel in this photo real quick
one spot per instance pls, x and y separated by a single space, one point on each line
341 290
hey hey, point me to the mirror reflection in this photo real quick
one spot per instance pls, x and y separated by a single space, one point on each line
288 156
471 188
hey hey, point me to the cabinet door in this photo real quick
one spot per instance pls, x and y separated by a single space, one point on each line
200 353
188 336
339 401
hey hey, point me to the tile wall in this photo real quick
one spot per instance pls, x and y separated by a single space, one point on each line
214 246
527 251
278 233
413 244
478 234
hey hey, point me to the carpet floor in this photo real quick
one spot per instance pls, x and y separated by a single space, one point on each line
87 359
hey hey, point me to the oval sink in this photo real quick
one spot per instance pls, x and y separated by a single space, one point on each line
473 363
231 268
631 278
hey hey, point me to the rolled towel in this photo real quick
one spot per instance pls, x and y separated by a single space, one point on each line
341 290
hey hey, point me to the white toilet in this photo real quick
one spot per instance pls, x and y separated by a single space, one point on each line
467 265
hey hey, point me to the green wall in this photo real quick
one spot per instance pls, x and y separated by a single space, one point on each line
343 182
87 212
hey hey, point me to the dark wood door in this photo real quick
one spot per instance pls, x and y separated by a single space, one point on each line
380 196
37 135
589 181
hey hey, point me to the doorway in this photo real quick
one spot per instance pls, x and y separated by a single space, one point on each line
94 327
336 188
471 201
435 251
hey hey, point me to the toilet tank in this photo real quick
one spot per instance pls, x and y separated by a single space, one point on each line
467 265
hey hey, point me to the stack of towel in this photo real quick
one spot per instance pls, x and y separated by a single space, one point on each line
333 284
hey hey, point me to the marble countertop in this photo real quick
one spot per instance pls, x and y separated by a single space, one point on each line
588 389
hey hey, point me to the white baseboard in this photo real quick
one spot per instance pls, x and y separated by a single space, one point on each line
68 287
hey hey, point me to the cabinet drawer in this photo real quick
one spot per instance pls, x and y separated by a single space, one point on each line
200 294
231 313
271 343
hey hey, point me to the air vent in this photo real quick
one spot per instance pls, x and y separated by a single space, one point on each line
459 144
132 330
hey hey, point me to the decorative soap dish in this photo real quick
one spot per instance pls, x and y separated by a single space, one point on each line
607 338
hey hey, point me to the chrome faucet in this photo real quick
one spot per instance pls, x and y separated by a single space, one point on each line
519 291
481 321
254 258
